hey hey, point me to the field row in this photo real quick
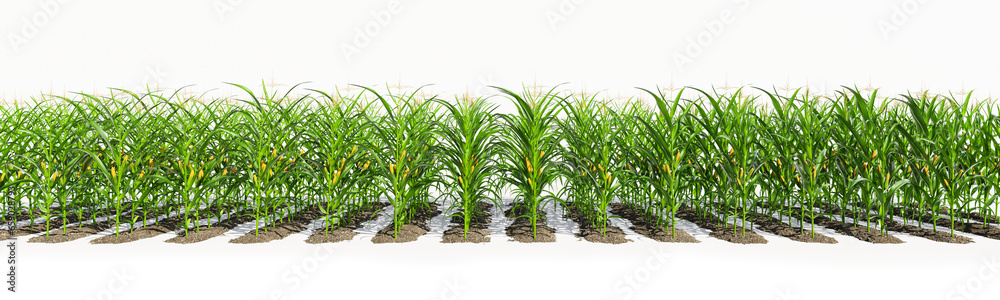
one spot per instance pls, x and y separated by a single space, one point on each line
861 163
375 220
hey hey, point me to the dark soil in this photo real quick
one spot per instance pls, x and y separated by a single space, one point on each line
72 233
641 226
410 231
151 230
975 216
477 226
205 232
944 223
978 217
520 229
281 230
591 233
75 232
870 235
144 232
892 225
345 230
772 225
720 230
56 224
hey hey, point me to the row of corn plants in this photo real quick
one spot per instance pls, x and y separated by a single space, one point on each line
861 158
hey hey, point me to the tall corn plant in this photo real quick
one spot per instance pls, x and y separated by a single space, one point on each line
873 149
664 158
10 120
592 161
271 133
111 125
336 135
468 152
779 131
941 143
634 192
529 142
407 154
982 151
811 154
192 135
991 171
730 135
54 136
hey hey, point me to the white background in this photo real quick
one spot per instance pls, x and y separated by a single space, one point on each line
611 46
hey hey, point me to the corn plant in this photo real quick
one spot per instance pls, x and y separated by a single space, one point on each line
408 153
730 134
663 160
529 140
271 135
337 139
132 157
592 160
54 139
873 150
469 149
